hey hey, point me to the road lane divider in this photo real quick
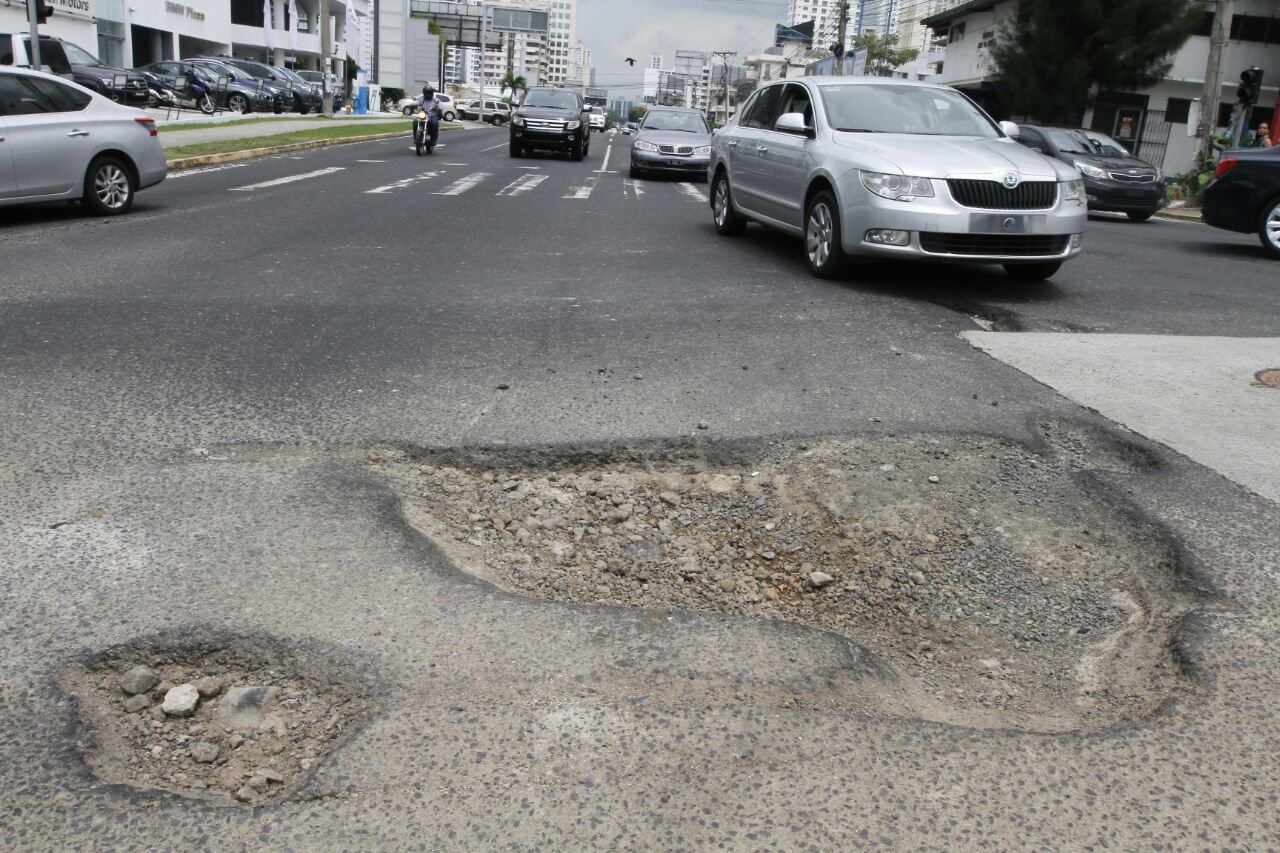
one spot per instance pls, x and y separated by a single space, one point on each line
462 185
318 173
692 192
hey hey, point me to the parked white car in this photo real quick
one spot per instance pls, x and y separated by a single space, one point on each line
448 107
61 142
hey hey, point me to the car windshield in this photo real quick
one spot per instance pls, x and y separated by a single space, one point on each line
551 100
77 55
289 75
925 111
1086 142
686 122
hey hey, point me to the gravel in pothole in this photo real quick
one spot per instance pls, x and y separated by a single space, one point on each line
1001 589
211 721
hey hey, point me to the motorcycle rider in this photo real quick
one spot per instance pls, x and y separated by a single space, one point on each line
431 105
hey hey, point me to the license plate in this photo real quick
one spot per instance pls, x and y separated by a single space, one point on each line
674 163
996 223
1136 193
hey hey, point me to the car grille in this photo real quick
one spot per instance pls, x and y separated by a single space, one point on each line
993 195
683 150
1132 179
544 124
1011 245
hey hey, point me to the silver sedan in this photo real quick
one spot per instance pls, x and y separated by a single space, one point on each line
59 141
868 166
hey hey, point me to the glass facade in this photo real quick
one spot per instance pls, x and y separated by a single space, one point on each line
111 32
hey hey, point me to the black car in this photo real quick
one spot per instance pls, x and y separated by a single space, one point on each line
250 92
304 98
551 119
86 69
1245 195
1115 180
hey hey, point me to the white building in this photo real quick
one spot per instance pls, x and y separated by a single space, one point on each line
129 33
695 67
1153 122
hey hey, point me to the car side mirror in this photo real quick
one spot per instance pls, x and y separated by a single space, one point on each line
1010 129
792 123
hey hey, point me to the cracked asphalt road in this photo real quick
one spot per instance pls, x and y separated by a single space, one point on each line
285 331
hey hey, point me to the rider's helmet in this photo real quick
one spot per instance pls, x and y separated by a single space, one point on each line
428 92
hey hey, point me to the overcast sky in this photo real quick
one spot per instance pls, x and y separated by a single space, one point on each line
616 29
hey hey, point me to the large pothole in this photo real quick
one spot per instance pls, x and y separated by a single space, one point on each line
217 717
1004 590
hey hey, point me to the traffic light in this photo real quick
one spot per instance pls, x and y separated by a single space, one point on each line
43 10
1250 86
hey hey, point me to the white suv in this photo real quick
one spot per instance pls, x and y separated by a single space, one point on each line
597 119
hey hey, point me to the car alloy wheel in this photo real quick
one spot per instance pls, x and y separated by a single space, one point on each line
111 186
237 104
822 236
727 220
722 203
819 235
1269 232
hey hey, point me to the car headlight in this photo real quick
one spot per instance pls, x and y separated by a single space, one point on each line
1074 191
1159 175
897 187
1091 171
572 125
641 145
518 121
702 149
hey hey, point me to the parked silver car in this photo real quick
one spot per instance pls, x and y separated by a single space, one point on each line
59 141
673 140
869 166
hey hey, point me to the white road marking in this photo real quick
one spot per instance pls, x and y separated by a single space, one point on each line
289 180
522 185
462 185
401 184
371 161
604 167
495 147
202 170
530 168
636 187
693 193
455 164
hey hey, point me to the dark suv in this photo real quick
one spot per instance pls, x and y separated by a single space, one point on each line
551 119
71 61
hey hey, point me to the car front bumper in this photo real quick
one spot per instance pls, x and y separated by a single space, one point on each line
656 161
557 139
940 229
1118 197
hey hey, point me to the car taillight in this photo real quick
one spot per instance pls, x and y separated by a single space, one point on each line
148 124
1226 164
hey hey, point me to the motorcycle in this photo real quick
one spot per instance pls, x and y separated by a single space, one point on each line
197 95
422 136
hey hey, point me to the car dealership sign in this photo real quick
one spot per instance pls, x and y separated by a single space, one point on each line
74 8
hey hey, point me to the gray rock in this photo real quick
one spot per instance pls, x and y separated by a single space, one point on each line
703 425
140 679
134 704
204 752
209 687
269 773
821 579
669 498
181 701
245 708
245 794
510 485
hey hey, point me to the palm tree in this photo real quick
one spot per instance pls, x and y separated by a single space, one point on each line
515 83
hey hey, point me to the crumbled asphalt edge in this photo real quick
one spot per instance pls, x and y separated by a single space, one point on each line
334 669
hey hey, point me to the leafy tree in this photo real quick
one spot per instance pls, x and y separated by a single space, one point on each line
883 53
636 113
515 83
1050 53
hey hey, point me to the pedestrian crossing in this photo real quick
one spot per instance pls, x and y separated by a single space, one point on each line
453 180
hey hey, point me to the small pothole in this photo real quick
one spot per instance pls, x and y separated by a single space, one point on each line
221 718
1004 590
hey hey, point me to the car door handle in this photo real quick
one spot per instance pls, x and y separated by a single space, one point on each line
732 143
78 133
763 149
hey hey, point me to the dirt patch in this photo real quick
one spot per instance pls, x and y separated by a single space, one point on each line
1000 587
226 719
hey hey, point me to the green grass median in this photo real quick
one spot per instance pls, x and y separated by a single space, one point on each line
344 131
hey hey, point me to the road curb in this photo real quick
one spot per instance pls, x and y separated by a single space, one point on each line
181 163
1192 215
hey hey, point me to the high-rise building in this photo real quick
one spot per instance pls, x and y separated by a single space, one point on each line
655 61
907 17
563 39
695 67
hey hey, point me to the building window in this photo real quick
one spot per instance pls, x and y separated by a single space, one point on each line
247 13
957 33
1178 111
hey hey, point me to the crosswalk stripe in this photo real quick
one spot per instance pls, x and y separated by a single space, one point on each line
692 192
460 186
582 192
279 181
401 184
636 187
522 184
204 169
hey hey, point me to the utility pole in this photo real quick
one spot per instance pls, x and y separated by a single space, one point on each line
725 56
1223 12
326 50
33 22
842 34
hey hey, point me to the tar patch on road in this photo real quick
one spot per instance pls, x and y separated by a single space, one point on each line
1003 587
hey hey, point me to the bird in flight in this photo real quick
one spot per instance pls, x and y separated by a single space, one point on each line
630 61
